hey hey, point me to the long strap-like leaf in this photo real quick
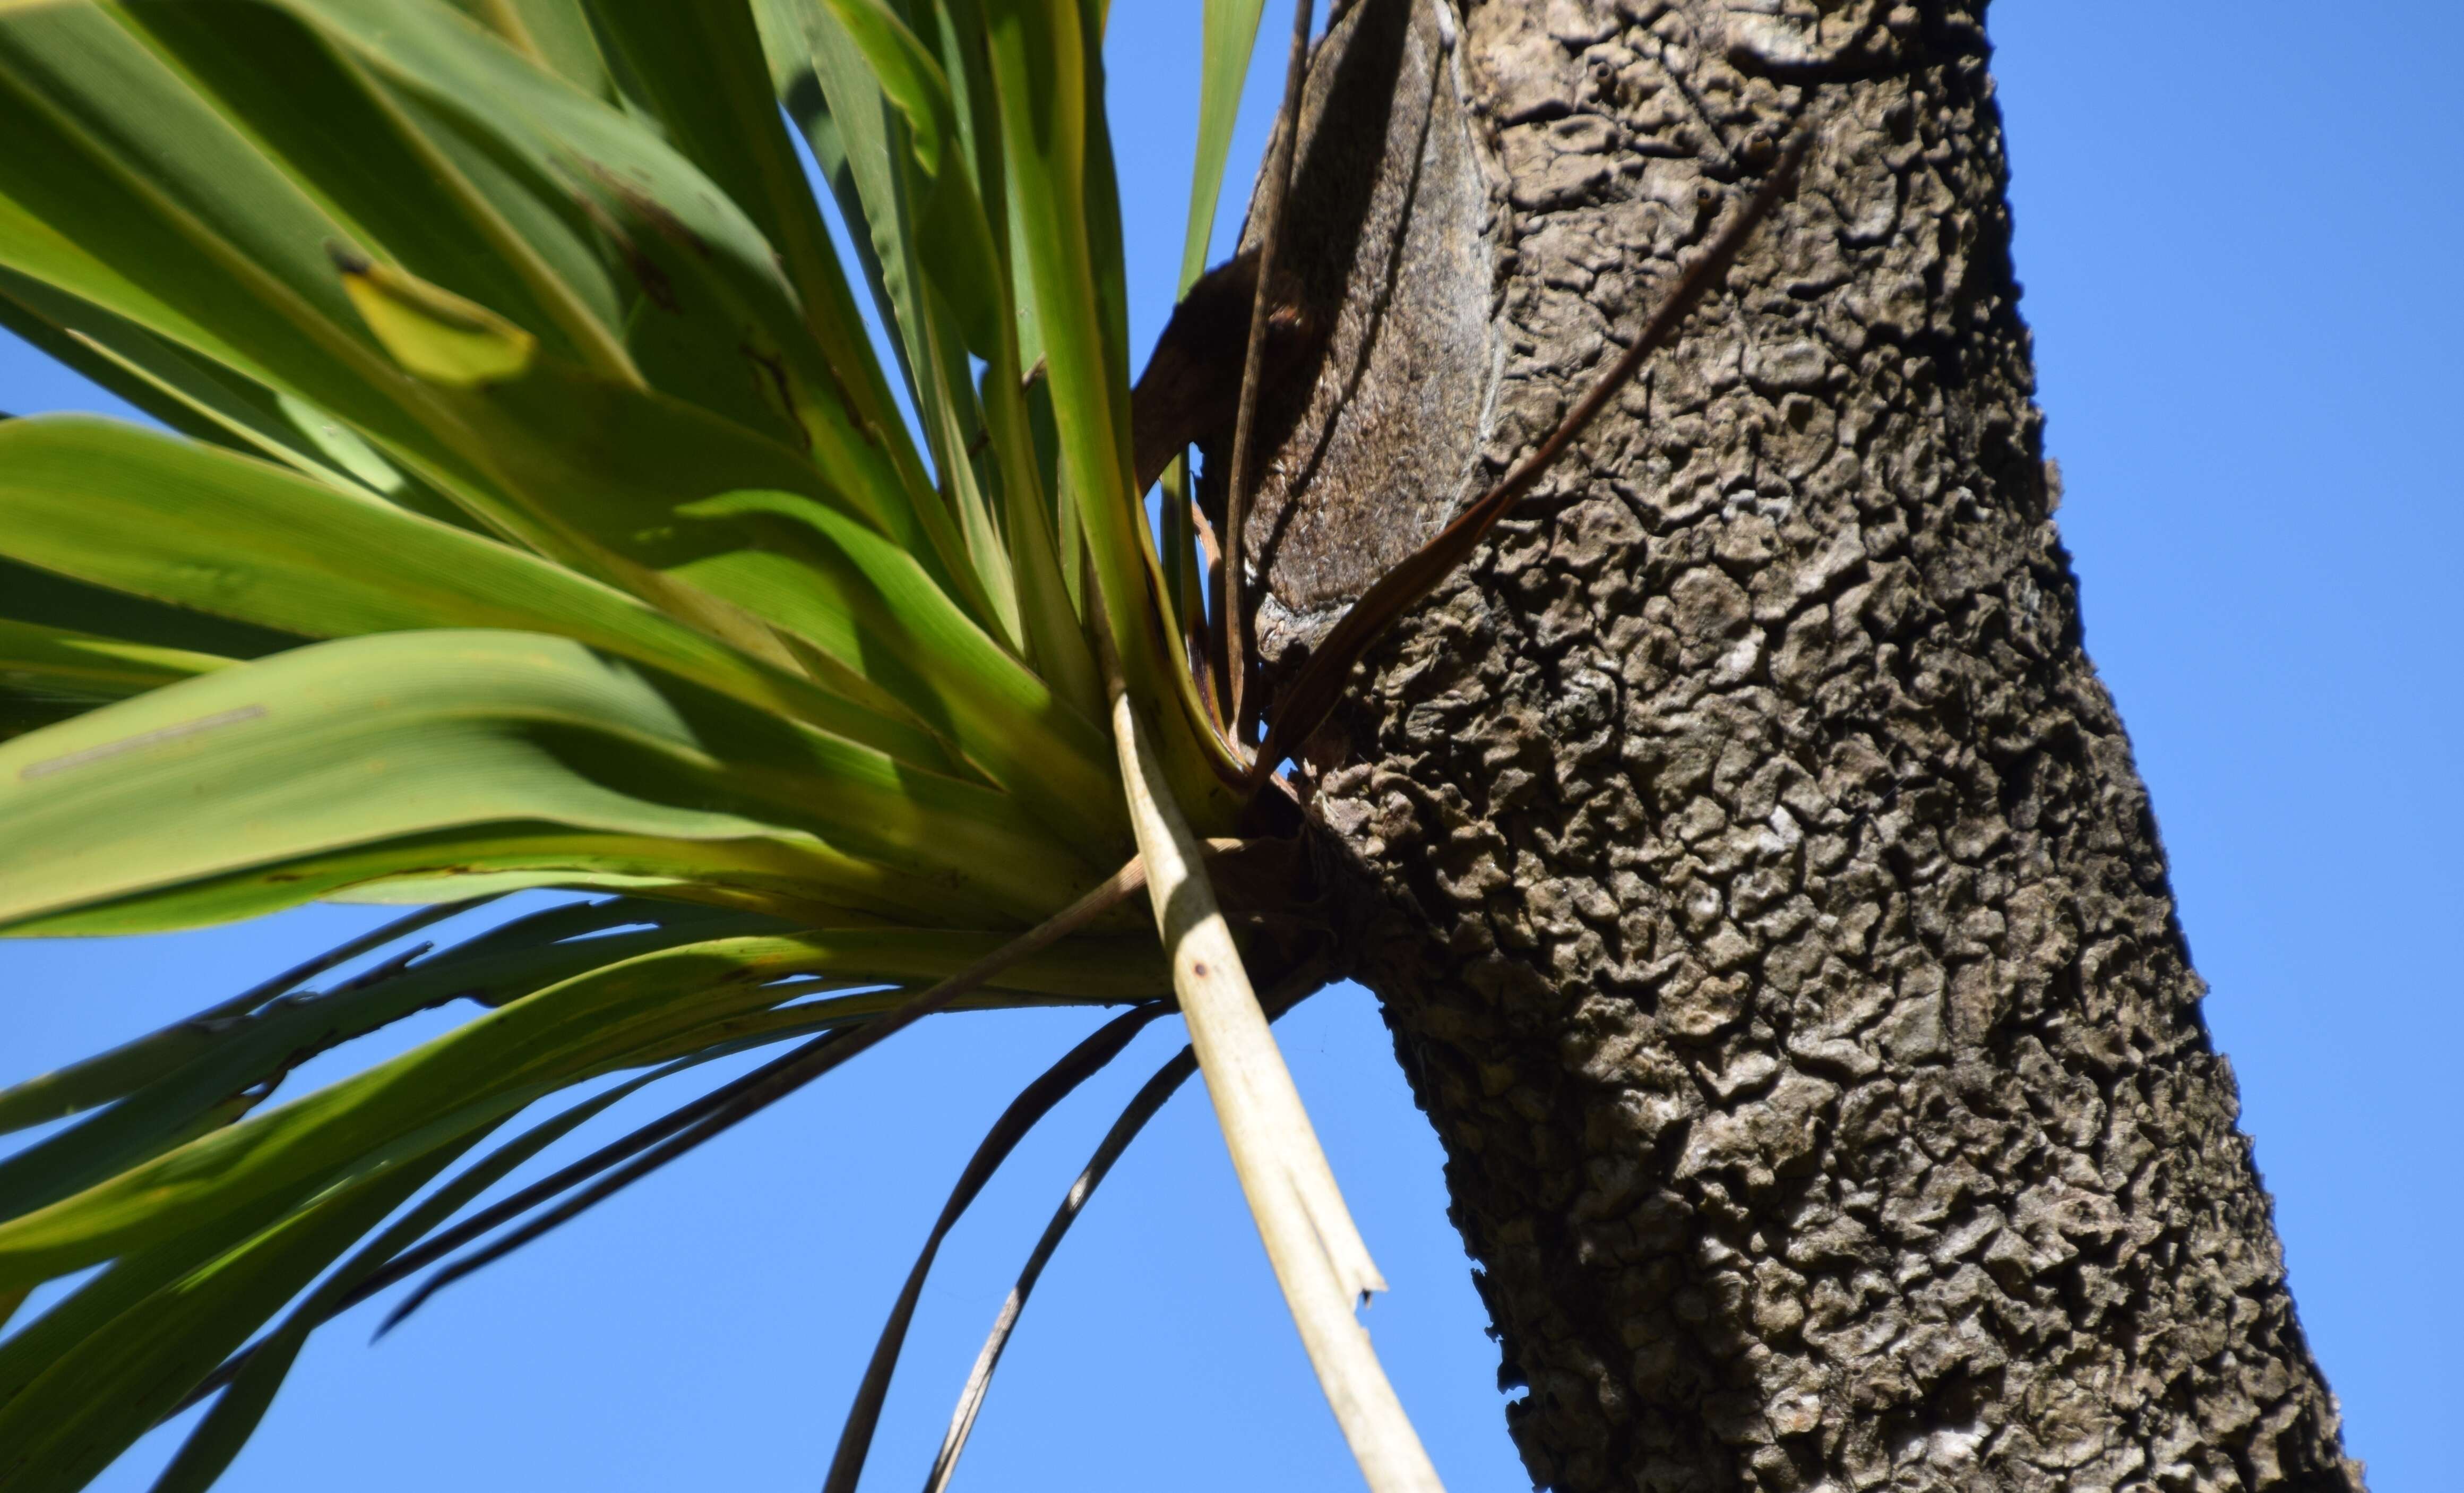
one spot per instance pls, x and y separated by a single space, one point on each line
1231 33
1142 1107
1033 1103
793 1072
133 1064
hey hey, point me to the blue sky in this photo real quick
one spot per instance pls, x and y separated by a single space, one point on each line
2237 227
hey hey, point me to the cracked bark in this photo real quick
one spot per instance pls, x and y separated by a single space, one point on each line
1754 870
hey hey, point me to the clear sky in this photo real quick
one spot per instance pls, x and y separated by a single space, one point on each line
2238 224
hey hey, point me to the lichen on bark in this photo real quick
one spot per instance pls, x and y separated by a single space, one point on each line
1752 866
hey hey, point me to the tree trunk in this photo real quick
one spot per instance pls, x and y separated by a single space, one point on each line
1754 872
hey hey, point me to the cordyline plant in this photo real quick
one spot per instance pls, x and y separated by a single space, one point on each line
541 515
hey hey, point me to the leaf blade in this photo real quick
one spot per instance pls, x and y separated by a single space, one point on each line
495 752
117 507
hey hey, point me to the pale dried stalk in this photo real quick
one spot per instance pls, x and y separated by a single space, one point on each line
1316 1250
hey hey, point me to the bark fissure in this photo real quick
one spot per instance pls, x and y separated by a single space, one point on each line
1766 909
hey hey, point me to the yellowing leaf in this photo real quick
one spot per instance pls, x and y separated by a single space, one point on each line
433 333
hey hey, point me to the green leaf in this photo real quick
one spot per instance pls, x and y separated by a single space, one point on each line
73 647
203 400
908 76
49 673
631 1013
249 1055
673 229
680 506
48 600
581 217
933 258
1231 35
80 664
1046 65
703 69
861 598
127 191
236 1410
556 34
132 1065
462 751
86 1403
199 528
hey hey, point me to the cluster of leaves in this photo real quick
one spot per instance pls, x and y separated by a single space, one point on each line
541 515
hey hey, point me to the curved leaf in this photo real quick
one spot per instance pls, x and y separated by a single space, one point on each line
376 757
259 1373
65 1424
250 1056
134 1064
628 1013
136 512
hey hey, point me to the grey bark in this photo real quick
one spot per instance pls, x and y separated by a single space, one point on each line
1754 870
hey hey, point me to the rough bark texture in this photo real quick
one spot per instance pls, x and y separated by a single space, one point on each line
1754 871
